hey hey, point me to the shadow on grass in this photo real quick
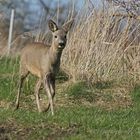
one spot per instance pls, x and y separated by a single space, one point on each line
82 90
136 96
103 84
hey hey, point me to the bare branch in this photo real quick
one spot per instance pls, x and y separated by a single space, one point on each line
131 7
44 6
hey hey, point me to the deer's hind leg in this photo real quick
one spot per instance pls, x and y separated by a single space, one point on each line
23 76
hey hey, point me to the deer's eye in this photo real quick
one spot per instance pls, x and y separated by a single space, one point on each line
65 36
55 36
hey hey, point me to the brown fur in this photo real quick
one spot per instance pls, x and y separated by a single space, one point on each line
43 61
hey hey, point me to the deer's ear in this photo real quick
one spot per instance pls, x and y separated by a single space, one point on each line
52 26
68 25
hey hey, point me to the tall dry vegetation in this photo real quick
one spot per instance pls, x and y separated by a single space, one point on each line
103 47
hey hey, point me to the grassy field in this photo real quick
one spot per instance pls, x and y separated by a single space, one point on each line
81 111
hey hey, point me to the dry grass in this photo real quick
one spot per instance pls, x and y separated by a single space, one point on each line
103 47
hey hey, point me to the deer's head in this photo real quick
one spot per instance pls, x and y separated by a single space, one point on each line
59 34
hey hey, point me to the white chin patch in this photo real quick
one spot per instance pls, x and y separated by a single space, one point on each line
60 47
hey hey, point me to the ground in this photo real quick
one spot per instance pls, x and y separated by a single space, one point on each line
101 111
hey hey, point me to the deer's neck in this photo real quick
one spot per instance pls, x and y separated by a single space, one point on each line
55 57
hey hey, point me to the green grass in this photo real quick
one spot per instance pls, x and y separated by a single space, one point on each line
73 120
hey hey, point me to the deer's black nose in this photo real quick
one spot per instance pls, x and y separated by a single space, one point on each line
62 44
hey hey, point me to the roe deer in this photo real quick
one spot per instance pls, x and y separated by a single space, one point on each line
43 61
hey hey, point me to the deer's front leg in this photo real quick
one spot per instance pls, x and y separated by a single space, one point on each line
52 88
37 88
48 90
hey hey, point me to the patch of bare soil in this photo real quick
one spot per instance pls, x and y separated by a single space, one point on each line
4 104
59 132
11 131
